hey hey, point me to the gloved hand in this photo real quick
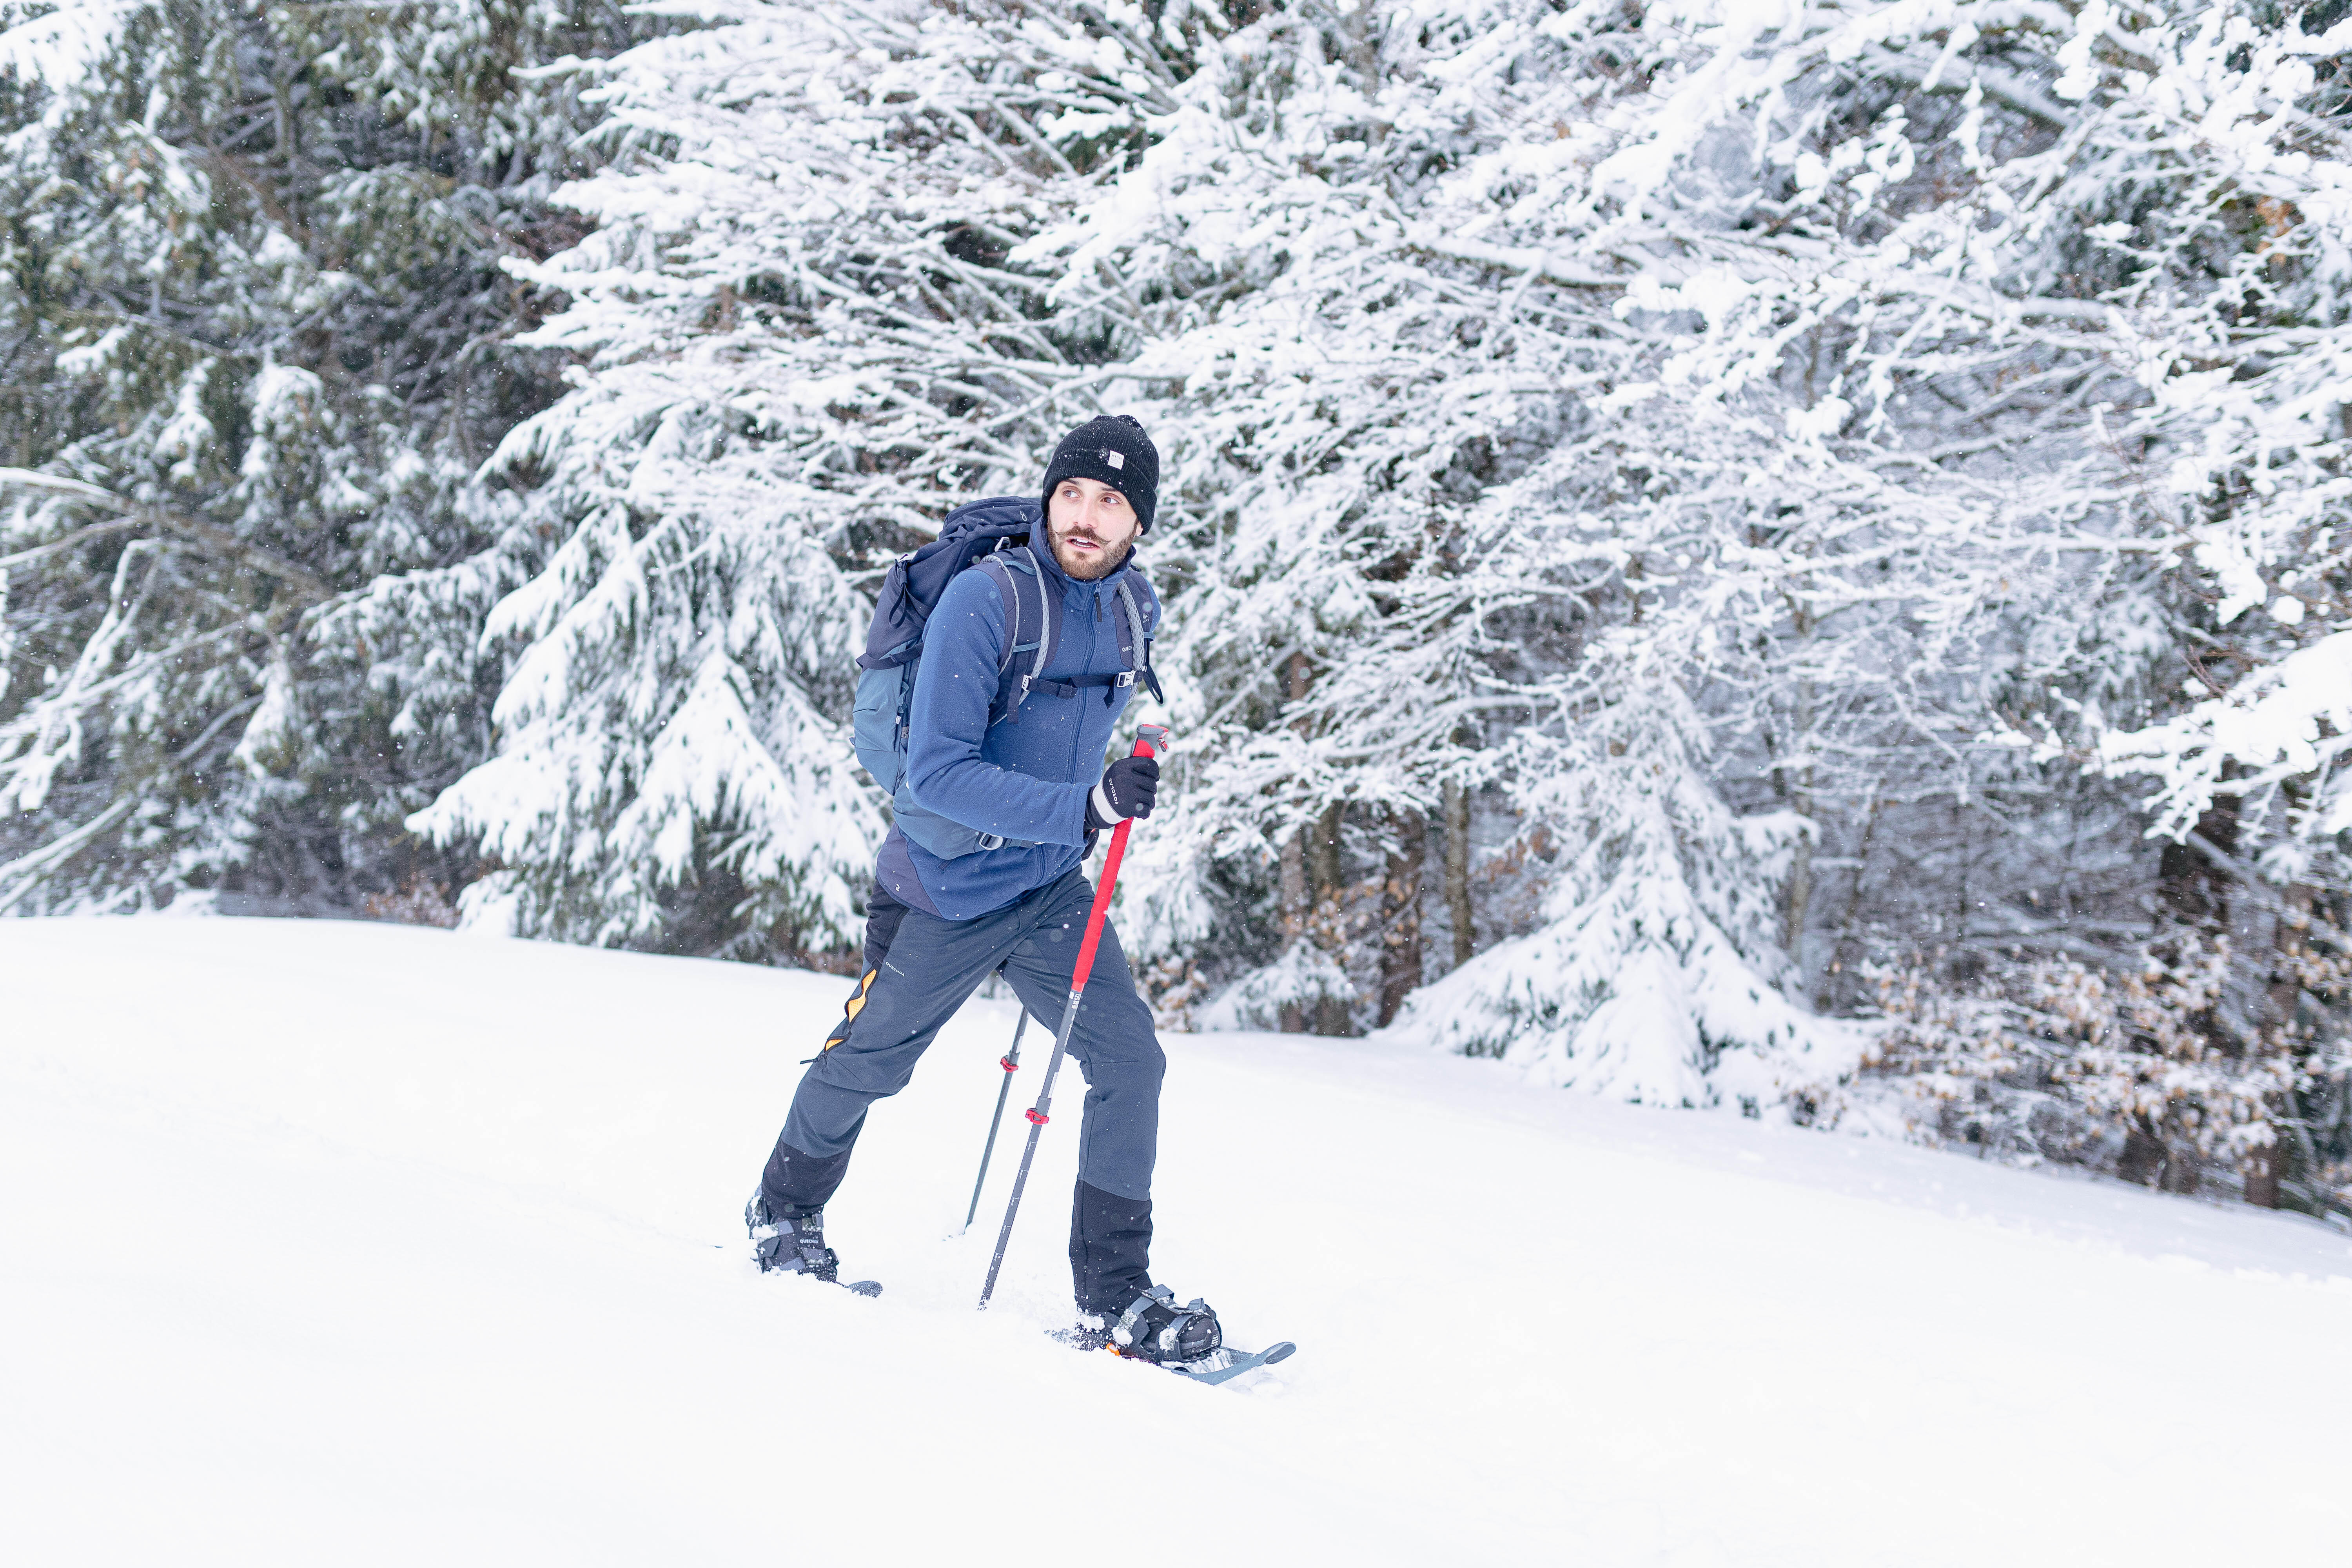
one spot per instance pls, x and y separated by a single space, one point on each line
1128 788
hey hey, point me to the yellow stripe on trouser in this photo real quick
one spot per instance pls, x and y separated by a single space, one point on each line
849 1013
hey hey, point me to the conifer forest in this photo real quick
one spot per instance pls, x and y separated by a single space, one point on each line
1785 556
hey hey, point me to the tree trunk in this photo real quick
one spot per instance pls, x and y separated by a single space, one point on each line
1323 856
1400 912
1799 901
1328 924
1298 909
1799 892
1457 873
2262 1175
1294 916
2188 882
2143 1157
2265 1167
1843 951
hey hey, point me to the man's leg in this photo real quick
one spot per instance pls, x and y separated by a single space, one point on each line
883 914
920 973
788 1169
1118 1050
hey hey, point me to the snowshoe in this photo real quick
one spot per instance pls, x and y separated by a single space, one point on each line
1187 1340
794 1244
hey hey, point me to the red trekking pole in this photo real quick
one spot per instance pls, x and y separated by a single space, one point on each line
1151 740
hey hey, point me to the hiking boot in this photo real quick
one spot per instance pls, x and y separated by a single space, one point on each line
1154 1328
789 1244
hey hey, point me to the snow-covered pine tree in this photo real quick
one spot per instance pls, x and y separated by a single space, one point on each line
1341 383
2240 246
2009 252
804 342
1757 455
1375 271
1654 974
2240 306
253 315
1897 524
1849 458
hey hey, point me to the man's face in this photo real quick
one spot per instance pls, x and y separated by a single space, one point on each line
1092 529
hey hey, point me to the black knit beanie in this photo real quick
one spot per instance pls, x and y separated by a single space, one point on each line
1113 451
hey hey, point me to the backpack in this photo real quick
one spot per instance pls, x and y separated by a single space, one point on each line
992 535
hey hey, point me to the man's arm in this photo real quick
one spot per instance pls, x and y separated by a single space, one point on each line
954 689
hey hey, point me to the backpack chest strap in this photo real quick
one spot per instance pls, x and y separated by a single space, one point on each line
1032 625
1070 688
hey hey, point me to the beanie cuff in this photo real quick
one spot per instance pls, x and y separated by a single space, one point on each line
1112 451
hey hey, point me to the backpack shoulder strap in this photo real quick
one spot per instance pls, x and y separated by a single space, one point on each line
1139 646
1001 566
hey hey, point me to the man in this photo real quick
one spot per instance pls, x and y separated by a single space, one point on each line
936 927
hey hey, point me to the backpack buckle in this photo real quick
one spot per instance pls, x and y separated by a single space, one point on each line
990 841
1126 678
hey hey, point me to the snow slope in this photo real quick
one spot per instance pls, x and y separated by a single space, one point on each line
343 1244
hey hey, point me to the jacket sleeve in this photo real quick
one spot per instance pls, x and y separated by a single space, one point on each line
954 688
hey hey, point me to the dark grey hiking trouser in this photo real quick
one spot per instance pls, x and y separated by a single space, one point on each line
918 973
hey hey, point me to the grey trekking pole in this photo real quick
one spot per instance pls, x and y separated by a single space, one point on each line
1011 1062
1151 739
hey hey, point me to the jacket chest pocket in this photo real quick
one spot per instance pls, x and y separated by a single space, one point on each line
1042 743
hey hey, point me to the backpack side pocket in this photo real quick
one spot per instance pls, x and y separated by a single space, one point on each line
877 723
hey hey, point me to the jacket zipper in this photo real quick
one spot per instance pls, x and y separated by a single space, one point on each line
1079 719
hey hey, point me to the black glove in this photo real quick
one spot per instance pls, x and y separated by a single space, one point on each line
1128 788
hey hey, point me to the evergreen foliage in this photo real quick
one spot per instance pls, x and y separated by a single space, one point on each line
801 339
1722 552
255 327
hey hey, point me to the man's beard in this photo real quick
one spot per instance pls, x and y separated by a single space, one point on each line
1092 568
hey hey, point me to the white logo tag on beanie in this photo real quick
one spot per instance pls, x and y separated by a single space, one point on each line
1116 460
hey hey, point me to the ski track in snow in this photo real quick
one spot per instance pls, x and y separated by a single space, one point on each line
352 1244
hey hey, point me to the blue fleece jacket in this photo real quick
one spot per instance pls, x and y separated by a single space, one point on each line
1024 780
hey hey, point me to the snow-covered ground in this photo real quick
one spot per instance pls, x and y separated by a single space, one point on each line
345 1243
